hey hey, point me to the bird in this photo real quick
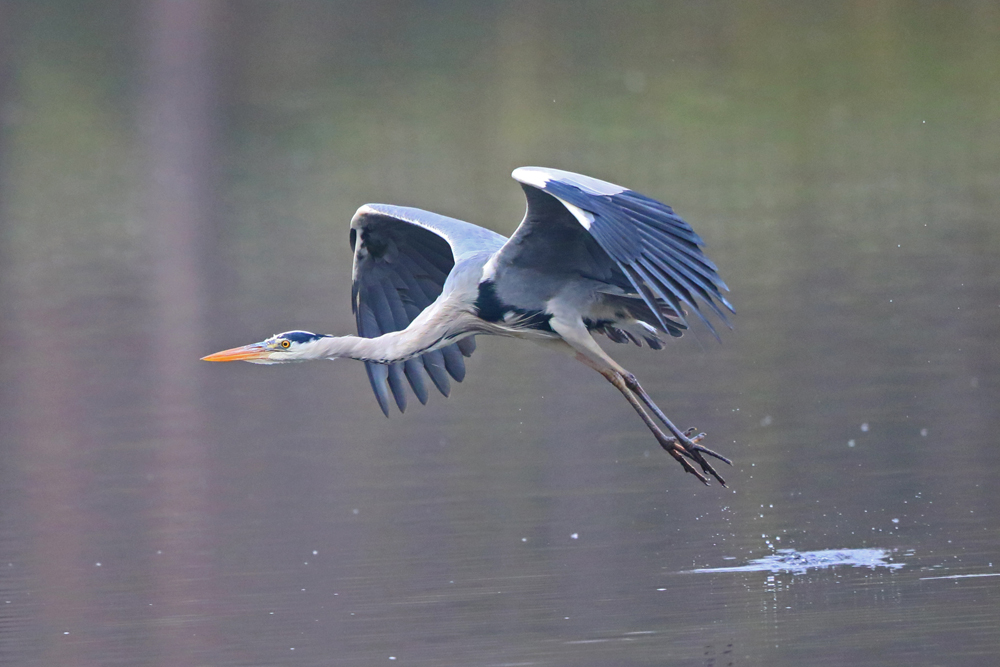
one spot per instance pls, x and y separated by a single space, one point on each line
589 257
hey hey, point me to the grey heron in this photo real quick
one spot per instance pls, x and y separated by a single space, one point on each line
588 257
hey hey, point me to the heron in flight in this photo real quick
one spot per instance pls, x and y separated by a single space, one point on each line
588 257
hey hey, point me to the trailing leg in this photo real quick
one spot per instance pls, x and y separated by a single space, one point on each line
681 446
671 445
681 442
692 446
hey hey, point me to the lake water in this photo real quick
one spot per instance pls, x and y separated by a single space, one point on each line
178 178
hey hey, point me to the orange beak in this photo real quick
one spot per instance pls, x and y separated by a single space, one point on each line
252 352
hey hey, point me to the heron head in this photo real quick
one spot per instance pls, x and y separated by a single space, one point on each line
278 349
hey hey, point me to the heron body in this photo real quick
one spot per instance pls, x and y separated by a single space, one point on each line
588 257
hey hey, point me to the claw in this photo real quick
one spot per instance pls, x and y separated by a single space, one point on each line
682 453
689 447
689 468
706 450
707 467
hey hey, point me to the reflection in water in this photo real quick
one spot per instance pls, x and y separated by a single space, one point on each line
177 128
158 200
799 562
963 576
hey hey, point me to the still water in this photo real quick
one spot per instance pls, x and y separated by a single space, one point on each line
177 178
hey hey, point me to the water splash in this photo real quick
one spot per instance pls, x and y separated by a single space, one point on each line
799 562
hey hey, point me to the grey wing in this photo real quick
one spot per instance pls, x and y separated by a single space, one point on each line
402 257
650 250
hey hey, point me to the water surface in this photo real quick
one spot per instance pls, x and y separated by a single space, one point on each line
176 179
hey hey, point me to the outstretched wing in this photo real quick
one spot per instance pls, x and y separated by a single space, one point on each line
652 251
402 257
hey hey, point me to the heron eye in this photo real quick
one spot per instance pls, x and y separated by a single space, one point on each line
286 344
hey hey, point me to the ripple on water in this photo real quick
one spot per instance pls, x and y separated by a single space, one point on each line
799 562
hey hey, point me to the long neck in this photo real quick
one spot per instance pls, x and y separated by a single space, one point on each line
387 348
442 323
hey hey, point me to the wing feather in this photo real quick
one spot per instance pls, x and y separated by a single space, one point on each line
435 367
414 375
383 301
467 346
690 284
402 259
648 244
421 293
454 362
377 376
650 285
699 271
659 215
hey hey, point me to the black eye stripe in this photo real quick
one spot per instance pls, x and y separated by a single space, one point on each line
299 336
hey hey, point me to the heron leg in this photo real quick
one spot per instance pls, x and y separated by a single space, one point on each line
693 449
632 383
681 446
673 446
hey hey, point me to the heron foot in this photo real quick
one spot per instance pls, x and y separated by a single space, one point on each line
686 447
681 446
704 450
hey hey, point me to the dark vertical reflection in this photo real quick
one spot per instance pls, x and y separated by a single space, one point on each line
177 125
14 625
43 427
